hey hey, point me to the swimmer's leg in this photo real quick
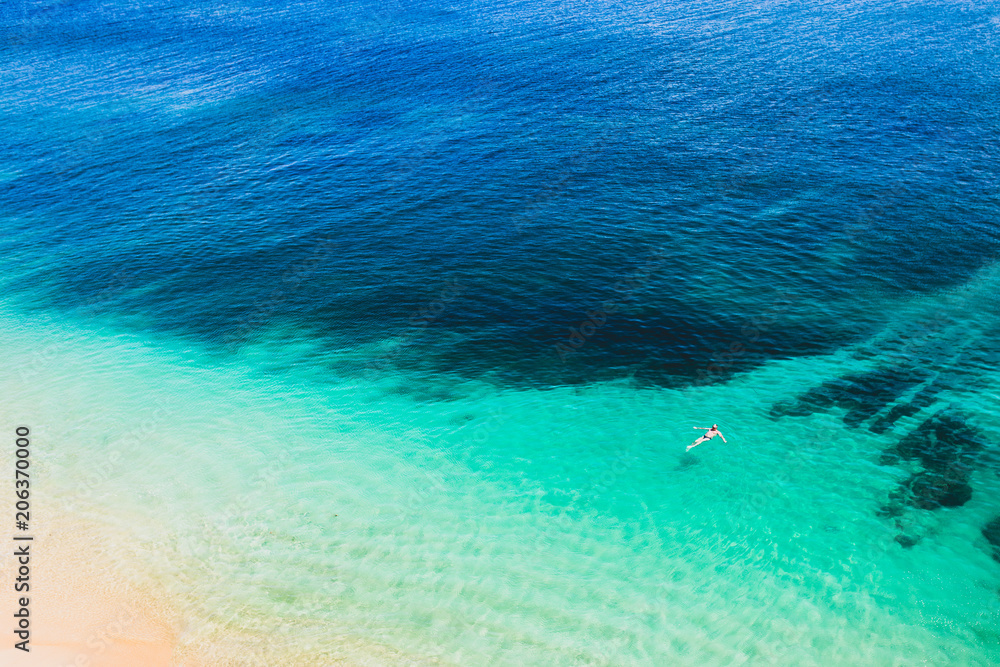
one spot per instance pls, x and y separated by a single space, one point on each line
696 443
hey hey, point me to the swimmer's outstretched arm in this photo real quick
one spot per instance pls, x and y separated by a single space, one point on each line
703 428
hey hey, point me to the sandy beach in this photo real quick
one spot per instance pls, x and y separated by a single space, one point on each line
83 611
88 611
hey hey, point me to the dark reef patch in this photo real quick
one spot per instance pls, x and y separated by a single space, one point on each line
943 442
863 395
991 531
923 399
930 490
948 449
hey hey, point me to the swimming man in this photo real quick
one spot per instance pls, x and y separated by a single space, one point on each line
709 434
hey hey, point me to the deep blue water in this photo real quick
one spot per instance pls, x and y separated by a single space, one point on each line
448 190
177 160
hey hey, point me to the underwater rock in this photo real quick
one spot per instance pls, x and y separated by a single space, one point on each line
948 448
863 395
814 400
893 508
930 490
943 441
873 391
991 532
923 399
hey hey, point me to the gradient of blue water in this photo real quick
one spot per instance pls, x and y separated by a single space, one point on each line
314 178
181 160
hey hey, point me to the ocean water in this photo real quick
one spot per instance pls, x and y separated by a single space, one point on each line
377 331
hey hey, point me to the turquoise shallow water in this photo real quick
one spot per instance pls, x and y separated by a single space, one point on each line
360 521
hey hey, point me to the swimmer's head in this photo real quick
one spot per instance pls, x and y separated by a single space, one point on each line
715 426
